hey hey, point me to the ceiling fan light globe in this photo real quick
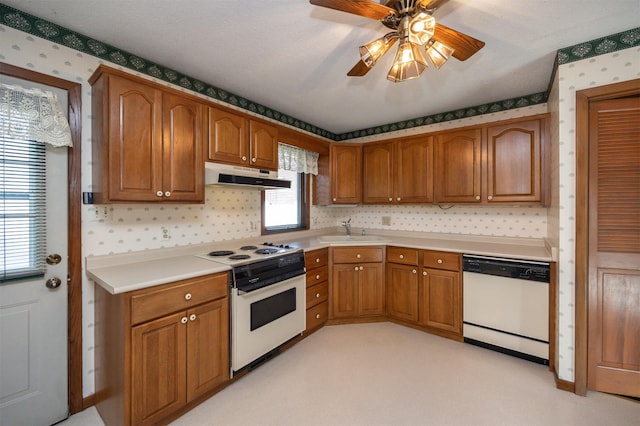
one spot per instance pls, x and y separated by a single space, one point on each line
409 63
438 53
421 28
372 51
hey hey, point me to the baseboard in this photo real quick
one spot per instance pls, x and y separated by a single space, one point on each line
564 384
89 401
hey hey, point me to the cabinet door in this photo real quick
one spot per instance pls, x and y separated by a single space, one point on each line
414 170
227 138
183 138
346 174
344 295
402 291
514 162
440 302
207 347
263 145
158 368
135 164
458 167
377 173
371 296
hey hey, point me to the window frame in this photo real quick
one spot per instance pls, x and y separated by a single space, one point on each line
304 210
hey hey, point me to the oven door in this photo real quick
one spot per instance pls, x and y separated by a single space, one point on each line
266 318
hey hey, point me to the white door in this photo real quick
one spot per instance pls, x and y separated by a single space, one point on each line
33 316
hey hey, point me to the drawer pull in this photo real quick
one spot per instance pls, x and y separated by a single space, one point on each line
187 296
317 316
358 256
317 277
317 260
356 268
361 268
402 256
192 317
317 295
440 261
183 320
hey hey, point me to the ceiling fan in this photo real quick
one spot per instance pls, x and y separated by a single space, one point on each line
413 26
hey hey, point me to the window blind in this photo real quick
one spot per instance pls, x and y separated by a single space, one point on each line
22 208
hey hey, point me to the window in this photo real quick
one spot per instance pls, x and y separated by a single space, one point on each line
22 208
286 209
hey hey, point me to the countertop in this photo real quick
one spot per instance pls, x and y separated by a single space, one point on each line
120 273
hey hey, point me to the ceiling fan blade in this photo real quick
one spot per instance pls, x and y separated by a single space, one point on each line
465 46
431 4
366 8
359 69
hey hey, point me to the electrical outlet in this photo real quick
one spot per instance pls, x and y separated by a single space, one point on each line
386 220
101 213
165 233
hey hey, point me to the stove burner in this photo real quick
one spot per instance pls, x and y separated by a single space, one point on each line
220 253
239 257
266 251
248 248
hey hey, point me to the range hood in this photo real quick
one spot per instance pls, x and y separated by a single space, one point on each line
242 177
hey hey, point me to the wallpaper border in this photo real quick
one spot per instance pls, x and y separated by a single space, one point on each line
38 27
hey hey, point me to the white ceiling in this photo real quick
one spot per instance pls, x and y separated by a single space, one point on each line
293 57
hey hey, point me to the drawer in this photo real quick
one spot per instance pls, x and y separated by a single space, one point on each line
317 294
357 254
405 256
316 258
441 260
317 315
315 276
152 303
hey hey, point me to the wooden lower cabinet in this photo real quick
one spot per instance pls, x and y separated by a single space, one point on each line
440 301
402 292
159 349
317 264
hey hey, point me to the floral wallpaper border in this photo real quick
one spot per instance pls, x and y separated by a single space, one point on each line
50 31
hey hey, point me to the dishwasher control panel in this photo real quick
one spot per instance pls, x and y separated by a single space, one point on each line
524 270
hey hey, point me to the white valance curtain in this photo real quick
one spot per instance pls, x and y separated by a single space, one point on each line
297 159
31 114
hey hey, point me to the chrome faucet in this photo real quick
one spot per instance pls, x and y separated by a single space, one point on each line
347 226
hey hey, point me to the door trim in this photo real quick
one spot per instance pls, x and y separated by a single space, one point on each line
74 313
583 98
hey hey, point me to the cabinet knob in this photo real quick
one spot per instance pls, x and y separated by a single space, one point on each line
187 296
192 317
361 268
398 199
477 197
356 268
253 160
414 271
317 295
402 256
244 158
317 260
490 197
317 277
424 273
358 256
183 320
335 199
439 261
390 199
159 193
317 316
167 194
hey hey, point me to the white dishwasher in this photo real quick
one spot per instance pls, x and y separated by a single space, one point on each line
506 306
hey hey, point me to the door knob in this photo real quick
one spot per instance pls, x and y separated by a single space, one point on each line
53 283
53 259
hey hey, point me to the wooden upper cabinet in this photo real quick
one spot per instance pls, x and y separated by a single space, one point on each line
413 174
377 173
147 141
263 145
227 137
458 167
346 173
514 162
234 139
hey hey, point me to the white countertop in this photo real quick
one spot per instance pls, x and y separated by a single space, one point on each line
120 273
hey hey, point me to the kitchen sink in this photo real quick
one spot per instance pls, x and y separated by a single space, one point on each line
351 239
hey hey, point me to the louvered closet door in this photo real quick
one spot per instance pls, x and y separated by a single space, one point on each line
614 246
